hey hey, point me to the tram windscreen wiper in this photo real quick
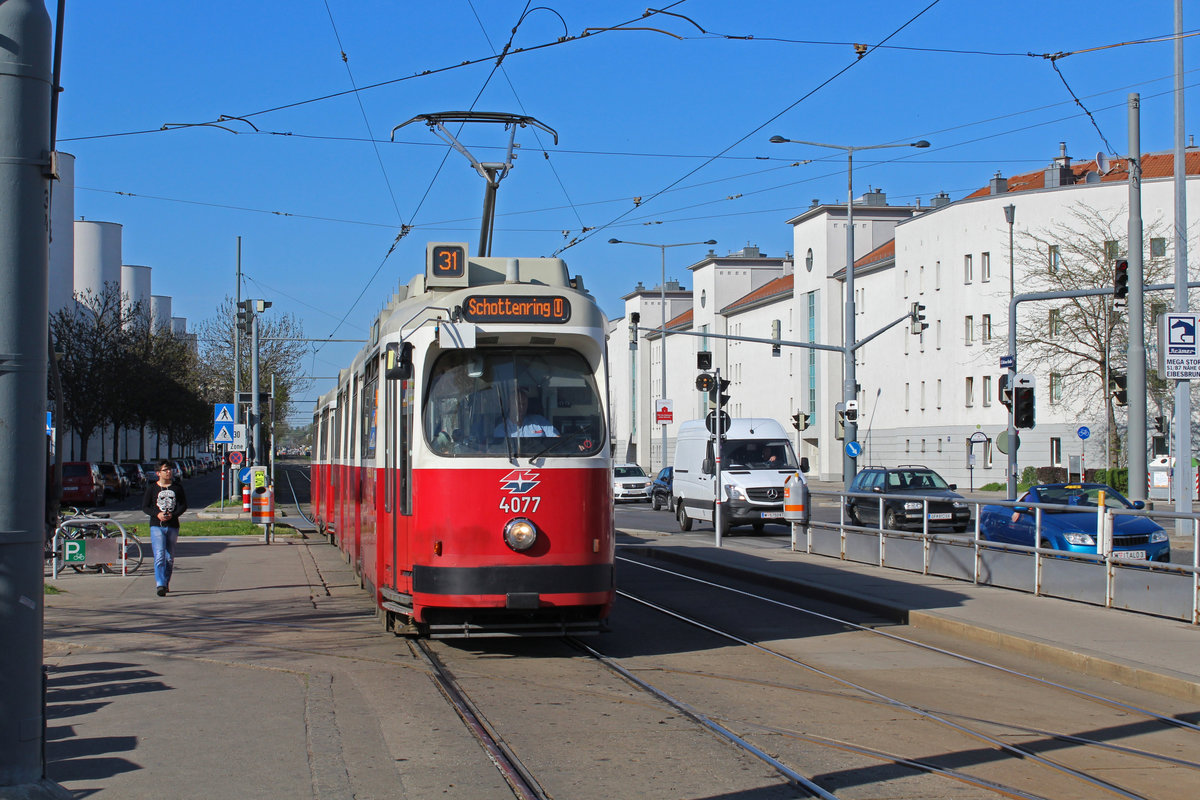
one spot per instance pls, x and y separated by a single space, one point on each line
504 423
555 441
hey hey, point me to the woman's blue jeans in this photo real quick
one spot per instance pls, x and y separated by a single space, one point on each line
163 541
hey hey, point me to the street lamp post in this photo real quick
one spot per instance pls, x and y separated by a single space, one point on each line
850 384
1010 214
662 322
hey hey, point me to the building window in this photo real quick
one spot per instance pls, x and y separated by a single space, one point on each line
1056 387
939 393
985 267
937 334
808 260
985 328
969 391
1055 258
987 390
1110 249
922 395
937 275
968 269
1158 247
921 279
907 445
922 445
1055 324
969 330
907 387
905 286
1056 451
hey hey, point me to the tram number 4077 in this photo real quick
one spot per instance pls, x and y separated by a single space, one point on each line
519 505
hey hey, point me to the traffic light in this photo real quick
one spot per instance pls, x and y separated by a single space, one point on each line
851 411
716 393
776 349
704 360
1005 391
1160 424
1116 386
839 431
917 315
244 315
634 319
800 421
1023 402
1120 283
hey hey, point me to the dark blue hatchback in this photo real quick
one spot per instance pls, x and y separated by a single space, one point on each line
660 489
1073 526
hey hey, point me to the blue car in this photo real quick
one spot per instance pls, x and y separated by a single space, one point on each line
1073 527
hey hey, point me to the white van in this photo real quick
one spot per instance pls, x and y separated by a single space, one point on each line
756 460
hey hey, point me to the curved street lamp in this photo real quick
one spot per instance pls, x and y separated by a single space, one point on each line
850 384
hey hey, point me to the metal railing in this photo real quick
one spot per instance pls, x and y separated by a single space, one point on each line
87 527
1102 578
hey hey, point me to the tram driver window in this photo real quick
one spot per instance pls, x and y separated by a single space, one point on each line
518 402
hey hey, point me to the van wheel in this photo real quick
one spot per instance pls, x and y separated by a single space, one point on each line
685 522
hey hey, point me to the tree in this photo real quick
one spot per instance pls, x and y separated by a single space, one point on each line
280 356
1080 342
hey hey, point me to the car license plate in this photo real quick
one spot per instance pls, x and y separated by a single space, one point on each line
941 516
771 514
1130 554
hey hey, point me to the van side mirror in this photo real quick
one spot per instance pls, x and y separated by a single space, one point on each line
399 365
804 464
706 466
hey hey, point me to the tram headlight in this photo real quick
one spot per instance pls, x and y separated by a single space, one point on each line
520 534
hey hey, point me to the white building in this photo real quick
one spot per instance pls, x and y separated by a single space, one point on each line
920 397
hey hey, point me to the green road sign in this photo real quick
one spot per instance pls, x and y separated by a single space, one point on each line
74 551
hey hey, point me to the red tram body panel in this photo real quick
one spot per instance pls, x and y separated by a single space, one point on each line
462 464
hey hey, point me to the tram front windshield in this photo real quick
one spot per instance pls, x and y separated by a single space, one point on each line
518 402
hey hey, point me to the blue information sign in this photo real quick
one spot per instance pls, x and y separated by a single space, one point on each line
1008 362
1083 432
853 449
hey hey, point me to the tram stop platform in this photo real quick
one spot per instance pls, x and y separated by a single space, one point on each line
1147 652
265 674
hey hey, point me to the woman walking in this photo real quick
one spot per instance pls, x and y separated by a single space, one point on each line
164 502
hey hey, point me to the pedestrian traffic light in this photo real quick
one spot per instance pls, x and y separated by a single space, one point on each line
634 319
851 411
704 360
1005 391
1120 283
839 431
1160 424
917 316
1023 408
1116 386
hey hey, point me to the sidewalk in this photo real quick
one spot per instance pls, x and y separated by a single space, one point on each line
1151 653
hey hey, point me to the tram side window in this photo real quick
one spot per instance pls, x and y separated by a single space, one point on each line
521 402
370 405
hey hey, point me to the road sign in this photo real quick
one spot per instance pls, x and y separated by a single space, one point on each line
1178 352
1008 362
662 412
223 412
1083 432
1002 442
74 551
239 437
853 449
244 475
710 422
236 458
223 432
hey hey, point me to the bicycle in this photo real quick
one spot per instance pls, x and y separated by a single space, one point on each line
76 525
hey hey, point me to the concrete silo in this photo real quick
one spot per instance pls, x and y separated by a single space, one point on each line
135 288
97 256
160 313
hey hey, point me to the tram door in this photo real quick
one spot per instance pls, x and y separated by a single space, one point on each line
397 483
370 477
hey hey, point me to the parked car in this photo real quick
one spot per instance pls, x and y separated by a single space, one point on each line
630 483
949 510
660 489
115 482
133 471
1073 526
82 484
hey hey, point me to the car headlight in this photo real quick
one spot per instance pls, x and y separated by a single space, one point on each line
912 506
735 492
1158 536
520 534
646 485
1084 539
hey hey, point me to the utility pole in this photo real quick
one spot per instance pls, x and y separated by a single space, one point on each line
1183 398
1135 354
26 85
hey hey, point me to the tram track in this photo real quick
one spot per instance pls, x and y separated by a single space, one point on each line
995 735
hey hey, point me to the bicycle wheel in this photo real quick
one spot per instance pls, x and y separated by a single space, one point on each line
131 554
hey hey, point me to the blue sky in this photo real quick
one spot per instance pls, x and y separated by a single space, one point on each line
682 123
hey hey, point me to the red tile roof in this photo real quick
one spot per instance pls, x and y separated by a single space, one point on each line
1154 165
681 321
882 253
769 289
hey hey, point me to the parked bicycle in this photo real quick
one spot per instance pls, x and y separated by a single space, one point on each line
74 524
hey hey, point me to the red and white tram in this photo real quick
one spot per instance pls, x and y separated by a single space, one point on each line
462 464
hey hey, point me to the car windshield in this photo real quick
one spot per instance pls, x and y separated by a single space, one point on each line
628 472
1080 496
758 454
915 480
513 402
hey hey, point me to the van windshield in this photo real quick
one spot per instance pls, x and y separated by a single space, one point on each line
758 454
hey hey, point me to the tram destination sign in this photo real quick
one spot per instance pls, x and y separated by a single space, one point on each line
516 308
